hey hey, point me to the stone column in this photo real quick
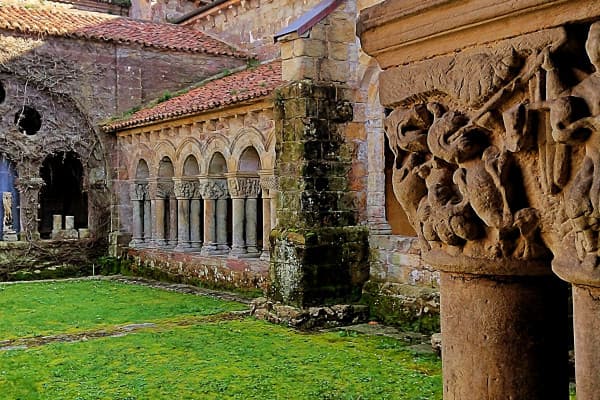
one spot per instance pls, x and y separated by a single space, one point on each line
147 231
236 188
29 193
183 192
584 276
137 194
251 213
211 189
172 241
222 246
195 210
503 336
268 185
159 196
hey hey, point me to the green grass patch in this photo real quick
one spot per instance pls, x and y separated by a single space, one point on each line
69 306
246 359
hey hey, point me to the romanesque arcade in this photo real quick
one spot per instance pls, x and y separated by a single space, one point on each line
212 196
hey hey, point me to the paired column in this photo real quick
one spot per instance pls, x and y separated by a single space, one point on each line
214 192
138 195
184 190
195 219
160 192
244 192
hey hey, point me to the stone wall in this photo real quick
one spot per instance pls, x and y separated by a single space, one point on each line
161 10
251 24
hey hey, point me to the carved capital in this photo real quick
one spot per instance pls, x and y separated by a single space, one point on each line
213 189
184 189
139 191
244 187
269 183
164 189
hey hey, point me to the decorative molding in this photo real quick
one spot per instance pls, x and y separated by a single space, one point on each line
244 187
213 189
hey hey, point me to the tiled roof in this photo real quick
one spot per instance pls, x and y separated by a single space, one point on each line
60 20
241 86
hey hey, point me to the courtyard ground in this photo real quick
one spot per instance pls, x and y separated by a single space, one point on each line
100 339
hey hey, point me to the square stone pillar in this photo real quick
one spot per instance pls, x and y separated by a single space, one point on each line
318 255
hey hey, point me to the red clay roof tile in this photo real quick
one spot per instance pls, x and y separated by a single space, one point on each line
59 20
245 85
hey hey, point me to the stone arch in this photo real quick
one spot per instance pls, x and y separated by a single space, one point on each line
190 166
247 137
165 168
142 170
215 144
189 146
143 152
217 164
164 148
65 128
249 160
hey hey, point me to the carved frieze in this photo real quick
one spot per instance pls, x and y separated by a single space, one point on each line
244 187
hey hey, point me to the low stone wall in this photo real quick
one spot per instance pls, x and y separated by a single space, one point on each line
402 290
243 274
47 259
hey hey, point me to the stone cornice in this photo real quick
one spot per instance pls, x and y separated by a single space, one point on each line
398 32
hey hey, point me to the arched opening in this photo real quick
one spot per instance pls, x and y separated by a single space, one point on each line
165 178
190 166
394 212
142 171
10 202
218 165
63 192
250 161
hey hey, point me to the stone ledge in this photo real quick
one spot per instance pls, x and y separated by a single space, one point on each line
399 32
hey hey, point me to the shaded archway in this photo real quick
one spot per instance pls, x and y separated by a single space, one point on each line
62 192
166 171
217 208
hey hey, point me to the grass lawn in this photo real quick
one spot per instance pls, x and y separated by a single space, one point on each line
69 306
218 358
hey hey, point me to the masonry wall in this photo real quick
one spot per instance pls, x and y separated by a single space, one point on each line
251 24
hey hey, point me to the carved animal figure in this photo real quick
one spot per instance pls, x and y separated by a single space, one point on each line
443 215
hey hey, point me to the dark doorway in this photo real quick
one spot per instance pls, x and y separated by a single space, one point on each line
62 192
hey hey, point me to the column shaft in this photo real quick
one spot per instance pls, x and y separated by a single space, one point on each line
183 224
195 223
238 246
136 222
504 337
172 221
251 221
208 246
273 210
222 225
147 230
266 248
586 321
158 222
